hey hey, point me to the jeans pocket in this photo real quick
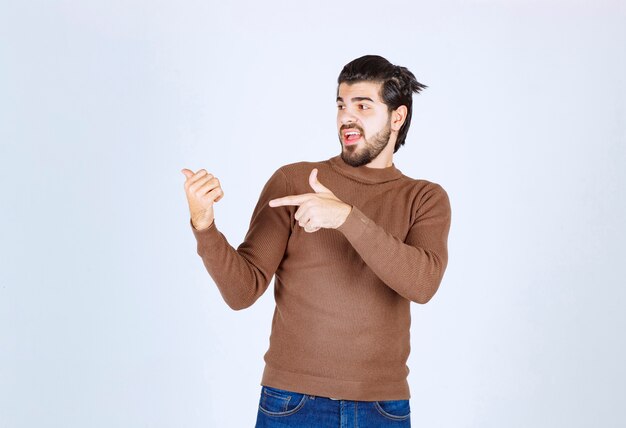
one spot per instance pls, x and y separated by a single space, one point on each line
396 410
280 402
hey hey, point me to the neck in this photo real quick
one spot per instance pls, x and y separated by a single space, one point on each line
381 162
384 158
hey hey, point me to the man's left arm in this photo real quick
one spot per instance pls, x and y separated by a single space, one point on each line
413 268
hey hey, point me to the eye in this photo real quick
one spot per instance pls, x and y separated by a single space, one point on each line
340 107
364 107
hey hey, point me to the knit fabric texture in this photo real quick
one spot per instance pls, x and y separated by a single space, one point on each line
341 325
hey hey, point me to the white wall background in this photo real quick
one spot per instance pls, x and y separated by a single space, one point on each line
107 316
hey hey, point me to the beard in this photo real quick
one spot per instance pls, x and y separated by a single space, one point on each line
372 148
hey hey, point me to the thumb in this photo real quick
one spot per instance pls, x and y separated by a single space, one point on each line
187 172
316 185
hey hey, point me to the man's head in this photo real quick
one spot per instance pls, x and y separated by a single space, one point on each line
374 99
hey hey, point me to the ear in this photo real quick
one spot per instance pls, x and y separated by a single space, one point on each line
398 116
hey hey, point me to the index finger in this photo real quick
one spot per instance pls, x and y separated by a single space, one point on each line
290 200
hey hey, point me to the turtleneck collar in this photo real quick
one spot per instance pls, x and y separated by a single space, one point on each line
364 173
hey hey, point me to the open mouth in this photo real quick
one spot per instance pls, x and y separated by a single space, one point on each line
350 136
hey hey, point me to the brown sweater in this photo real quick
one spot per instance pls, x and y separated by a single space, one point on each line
342 318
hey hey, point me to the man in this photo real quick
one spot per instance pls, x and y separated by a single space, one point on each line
351 241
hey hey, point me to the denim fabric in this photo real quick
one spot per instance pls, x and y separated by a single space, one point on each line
280 408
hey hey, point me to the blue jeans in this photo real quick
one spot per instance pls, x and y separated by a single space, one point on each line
279 408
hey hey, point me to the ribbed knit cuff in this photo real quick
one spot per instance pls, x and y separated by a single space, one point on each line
355 225
203 230
205 235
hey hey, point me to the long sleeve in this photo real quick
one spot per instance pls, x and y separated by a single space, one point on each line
413 268
242 275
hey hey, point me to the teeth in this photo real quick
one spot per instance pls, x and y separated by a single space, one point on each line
351 133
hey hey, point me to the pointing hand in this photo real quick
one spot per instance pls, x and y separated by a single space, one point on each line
321 209
202 190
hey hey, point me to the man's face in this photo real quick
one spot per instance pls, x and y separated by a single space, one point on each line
363 122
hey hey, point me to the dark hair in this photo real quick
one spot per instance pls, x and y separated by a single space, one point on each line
398 85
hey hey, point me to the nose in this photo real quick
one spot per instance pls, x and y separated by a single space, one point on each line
346 117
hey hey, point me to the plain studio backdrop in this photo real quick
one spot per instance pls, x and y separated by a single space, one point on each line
108 317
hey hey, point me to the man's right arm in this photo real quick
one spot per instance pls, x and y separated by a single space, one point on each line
242 275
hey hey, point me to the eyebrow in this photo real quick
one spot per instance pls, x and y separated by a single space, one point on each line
356 99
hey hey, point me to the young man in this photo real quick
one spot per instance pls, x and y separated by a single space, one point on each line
352 242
